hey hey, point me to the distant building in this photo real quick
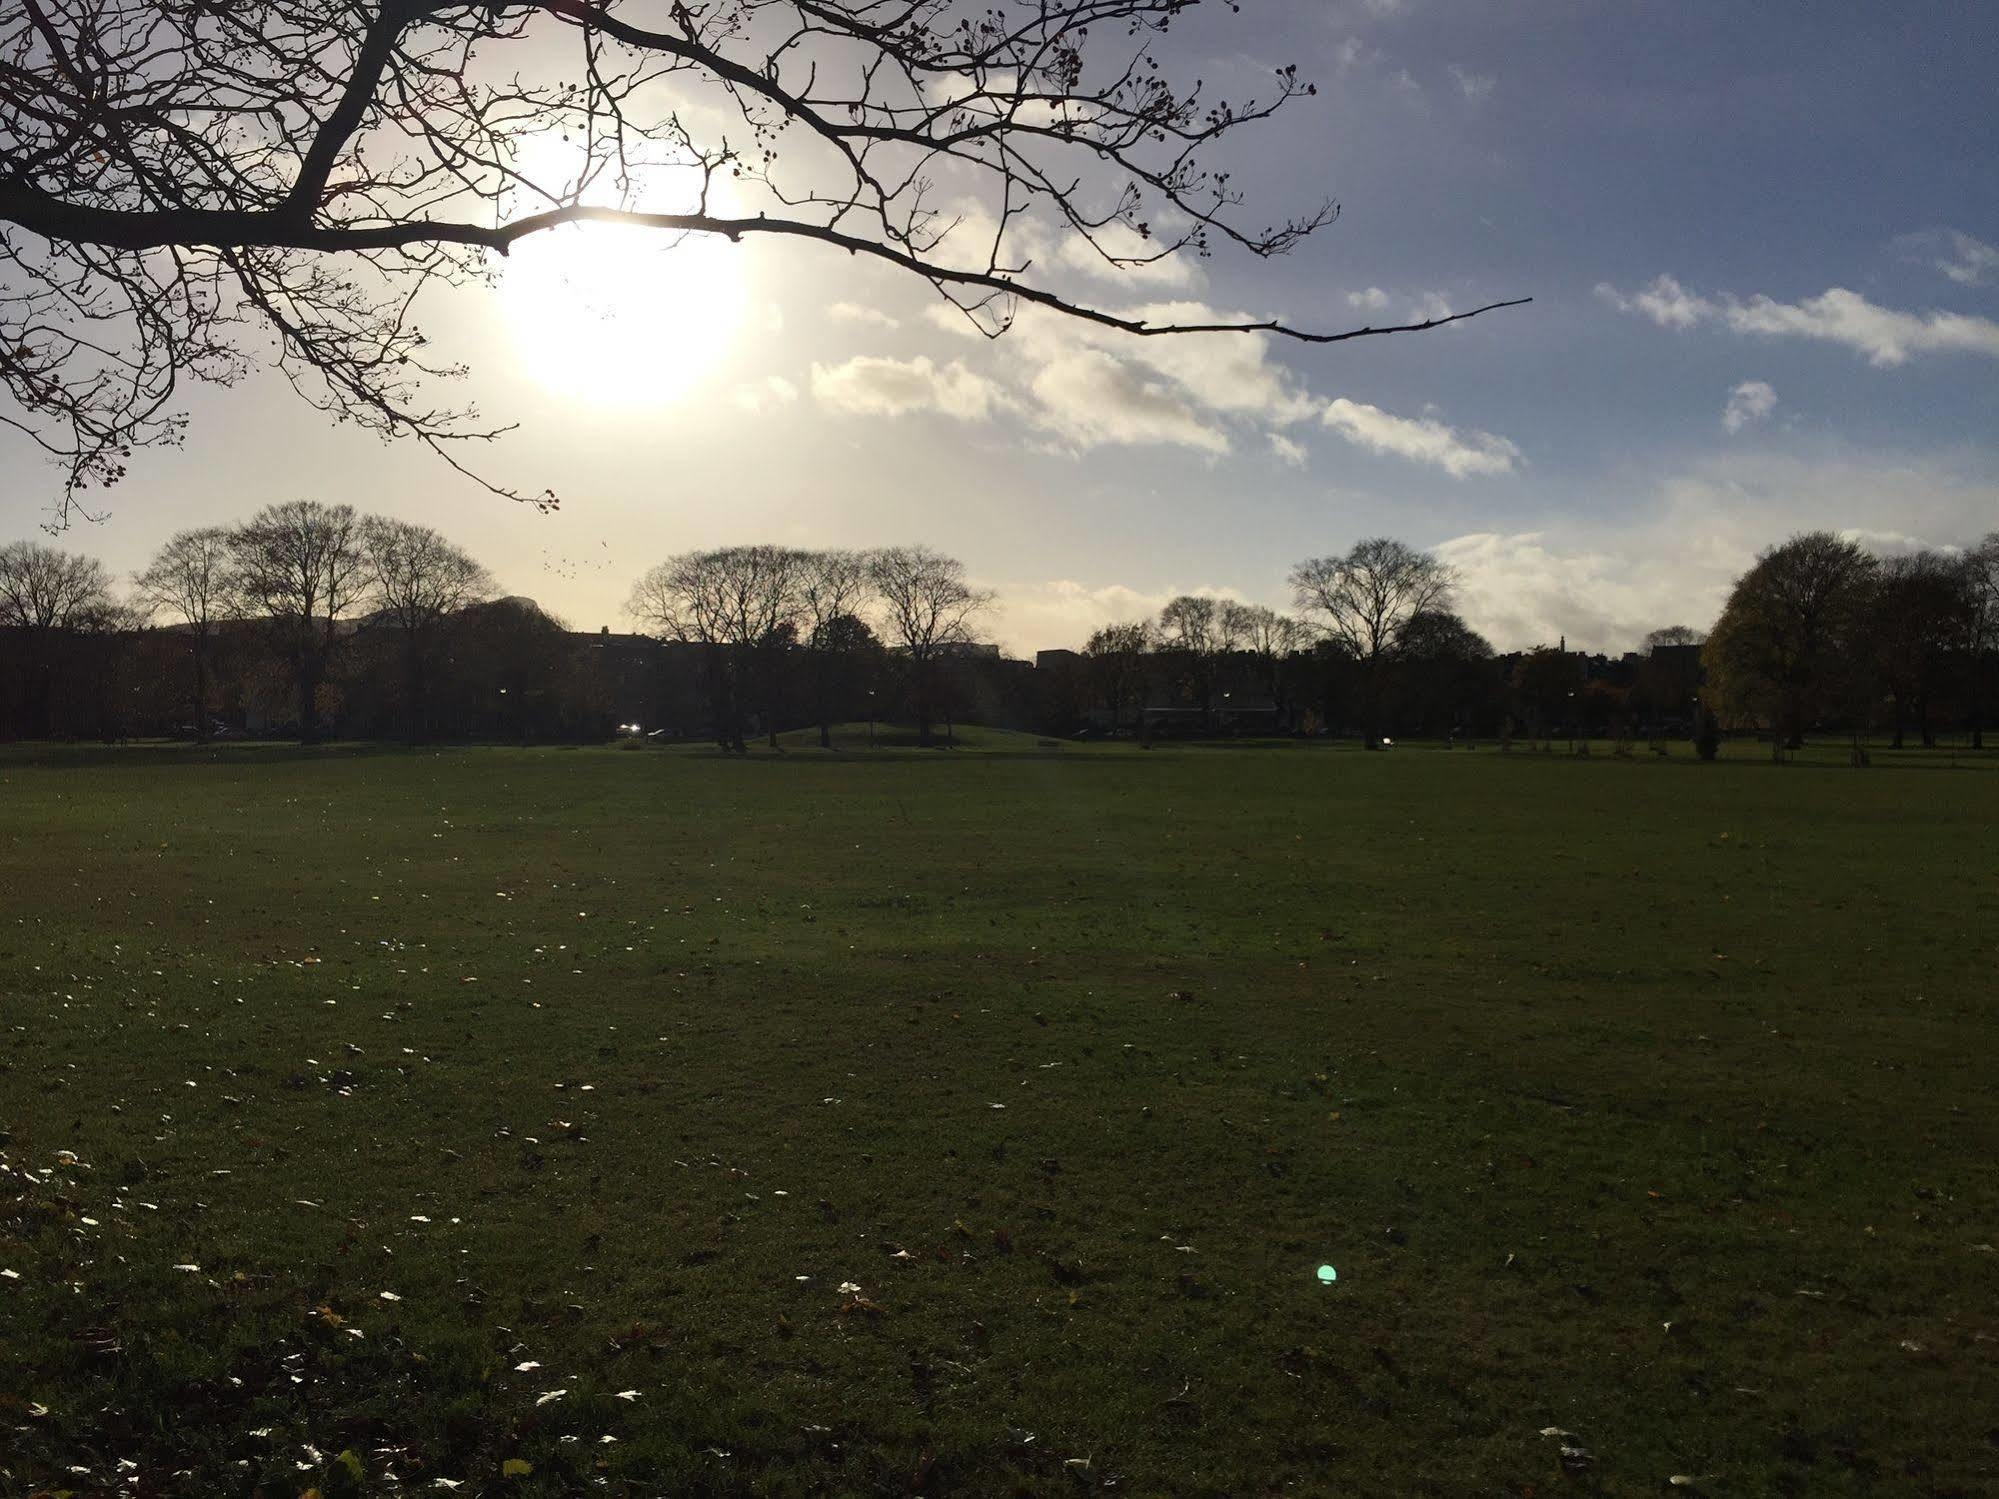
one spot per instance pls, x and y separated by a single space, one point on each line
1057 660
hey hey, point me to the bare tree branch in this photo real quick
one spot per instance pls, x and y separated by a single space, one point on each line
179 179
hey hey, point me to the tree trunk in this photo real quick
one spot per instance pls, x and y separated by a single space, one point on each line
308 699
413 689
200 690
1978 700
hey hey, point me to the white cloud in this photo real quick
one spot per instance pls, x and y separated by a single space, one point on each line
1665 301
1093 386
1087 386
1090 399
1422 440
765 394
1063 612
869 386
1967 261
1895 543
949 318
1607 583
1971 260
1888 338
853 312
1229 372
968 228
1519 590
1412 307
1476 87
1178 271
1885 336
1750 402
1290 453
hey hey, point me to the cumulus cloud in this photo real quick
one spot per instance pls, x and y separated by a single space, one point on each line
854 312
869 386
1665 301
1887 337
1750 402
1115 242
1031 616
1089 386
1606 583
1228 372
1606 579
1085 386
1422 439
1090 399
968 231
1521 589
1290 453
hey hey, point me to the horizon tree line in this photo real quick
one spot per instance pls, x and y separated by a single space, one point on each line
747 606
1817 631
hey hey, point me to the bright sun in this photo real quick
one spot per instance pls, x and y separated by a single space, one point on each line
607 315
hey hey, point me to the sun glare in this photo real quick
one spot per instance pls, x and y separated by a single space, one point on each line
607 315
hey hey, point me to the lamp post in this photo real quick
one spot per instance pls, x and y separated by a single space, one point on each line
871 718
1572 723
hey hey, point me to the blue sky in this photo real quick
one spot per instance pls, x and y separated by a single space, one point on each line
1815 184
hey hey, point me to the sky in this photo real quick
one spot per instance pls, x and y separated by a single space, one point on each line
1762 243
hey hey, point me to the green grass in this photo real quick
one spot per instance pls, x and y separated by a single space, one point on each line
1644 1099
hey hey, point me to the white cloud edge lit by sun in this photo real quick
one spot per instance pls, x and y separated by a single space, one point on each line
1610 581
1750 402
1889 338
1085 387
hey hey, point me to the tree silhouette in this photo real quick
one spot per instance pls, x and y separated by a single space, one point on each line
300 568
45 593
1116 655
189 582
1791 641
1366 598
739 602
1200 630
929 610
1982 584
420 580
187 185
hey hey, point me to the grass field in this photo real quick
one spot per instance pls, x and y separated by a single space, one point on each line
648 1122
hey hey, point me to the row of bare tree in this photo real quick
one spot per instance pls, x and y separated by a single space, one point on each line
302 572
1380 599
1818 631
750 607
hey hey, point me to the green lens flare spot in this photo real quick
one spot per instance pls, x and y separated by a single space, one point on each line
1327 1274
